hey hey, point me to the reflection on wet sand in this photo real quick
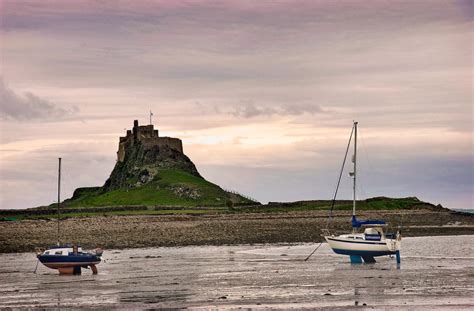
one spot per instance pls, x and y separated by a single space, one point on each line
432 275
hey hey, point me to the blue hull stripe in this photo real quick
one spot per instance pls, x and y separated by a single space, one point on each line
67 259
362 253
357 242
57 265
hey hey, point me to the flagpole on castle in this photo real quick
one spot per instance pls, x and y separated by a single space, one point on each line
151 114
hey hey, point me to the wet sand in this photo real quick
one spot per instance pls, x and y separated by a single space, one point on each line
437 273
222 229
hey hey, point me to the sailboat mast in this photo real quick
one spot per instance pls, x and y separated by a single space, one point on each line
59 193
355 170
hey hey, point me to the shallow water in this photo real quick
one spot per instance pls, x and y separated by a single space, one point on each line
436 273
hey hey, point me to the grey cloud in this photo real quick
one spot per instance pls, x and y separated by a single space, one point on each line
29 106
250 110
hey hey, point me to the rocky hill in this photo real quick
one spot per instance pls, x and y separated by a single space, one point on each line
153 171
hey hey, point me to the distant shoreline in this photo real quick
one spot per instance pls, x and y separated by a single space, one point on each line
137 231
463 210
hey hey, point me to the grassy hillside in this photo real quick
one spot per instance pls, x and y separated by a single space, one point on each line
377 203
169 187
162 202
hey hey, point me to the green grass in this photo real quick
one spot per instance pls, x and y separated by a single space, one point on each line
380 203
158 193
323 205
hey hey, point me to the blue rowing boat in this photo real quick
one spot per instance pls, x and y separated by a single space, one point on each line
69 259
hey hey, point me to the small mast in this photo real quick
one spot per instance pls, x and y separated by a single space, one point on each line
59 194
354 159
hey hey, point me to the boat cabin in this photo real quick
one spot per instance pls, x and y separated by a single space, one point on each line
373 233
63 250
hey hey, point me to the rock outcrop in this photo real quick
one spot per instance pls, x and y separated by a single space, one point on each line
142 163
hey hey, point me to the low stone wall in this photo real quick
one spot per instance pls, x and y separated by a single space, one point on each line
47 211
173 143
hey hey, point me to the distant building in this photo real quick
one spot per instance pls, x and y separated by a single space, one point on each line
148 137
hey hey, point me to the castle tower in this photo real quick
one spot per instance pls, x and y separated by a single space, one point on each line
148 137
135 129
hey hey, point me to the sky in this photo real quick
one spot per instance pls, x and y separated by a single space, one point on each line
262 93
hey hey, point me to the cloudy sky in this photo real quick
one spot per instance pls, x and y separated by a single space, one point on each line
262 93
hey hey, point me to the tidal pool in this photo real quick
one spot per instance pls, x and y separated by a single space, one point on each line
435 273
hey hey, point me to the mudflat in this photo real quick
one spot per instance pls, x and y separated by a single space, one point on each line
436 273
120 232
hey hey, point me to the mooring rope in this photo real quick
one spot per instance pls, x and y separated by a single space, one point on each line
37 262
313 251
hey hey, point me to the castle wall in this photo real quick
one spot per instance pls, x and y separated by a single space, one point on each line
121 152
173 143
146 131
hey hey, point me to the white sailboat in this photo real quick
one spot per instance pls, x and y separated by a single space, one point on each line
374 240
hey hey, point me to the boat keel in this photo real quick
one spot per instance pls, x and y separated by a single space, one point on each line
369 259
355 259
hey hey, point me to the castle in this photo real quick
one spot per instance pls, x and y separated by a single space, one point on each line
148 137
